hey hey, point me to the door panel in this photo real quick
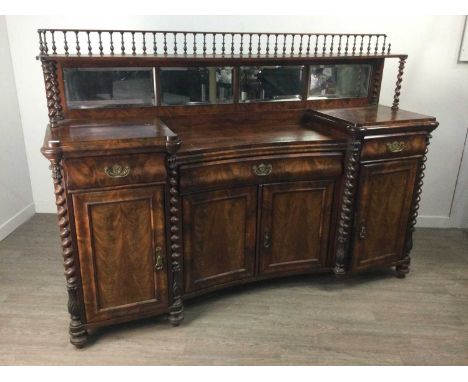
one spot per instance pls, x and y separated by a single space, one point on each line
386 193
120 234
219 237
295 225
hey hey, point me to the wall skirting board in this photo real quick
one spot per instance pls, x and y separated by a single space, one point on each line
45 207
15 221
435 222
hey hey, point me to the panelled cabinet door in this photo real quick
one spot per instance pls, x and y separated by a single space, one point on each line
121 244
295 224
219 237
386 192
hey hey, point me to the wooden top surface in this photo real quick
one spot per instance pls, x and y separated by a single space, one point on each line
375 115
230 131
76 135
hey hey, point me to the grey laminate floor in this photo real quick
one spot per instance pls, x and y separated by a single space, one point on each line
371 319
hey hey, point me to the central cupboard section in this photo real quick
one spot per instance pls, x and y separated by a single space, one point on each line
257 217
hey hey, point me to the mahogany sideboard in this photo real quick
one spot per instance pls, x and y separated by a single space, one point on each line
186 162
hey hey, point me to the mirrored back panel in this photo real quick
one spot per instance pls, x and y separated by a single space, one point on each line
195 85
87 88
155 86
271 83
339 81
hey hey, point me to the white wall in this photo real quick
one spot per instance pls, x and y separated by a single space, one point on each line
434 83
16 200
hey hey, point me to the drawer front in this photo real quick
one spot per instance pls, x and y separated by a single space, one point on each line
258 170
118 170
393 146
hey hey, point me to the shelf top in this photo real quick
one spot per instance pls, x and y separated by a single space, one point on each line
374 116
207 133
229 132
109 134
235 131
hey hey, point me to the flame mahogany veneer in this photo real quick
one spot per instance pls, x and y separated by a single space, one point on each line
157 205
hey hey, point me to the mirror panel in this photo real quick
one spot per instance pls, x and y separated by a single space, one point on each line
339 81
196 85
87 88
271 83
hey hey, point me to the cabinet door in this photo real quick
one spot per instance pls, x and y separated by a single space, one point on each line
121 245
295 225
384 202
219 237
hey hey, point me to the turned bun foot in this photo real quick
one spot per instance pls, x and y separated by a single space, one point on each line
402 271
78 337
339 272
176 314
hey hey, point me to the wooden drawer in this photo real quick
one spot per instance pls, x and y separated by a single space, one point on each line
393 146
266 169
114 170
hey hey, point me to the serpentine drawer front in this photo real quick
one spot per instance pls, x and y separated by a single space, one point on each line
259 170
116 170
393 146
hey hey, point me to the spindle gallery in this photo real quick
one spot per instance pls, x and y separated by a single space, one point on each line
186 162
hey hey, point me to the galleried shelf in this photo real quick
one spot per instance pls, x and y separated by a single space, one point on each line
185 162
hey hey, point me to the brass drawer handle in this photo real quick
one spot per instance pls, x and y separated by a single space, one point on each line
262 169
117 171
396 147
159 265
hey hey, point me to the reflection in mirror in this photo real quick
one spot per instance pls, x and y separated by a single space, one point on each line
339 81
108 87
271 83
198 85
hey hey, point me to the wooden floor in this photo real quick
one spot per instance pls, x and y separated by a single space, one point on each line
371 319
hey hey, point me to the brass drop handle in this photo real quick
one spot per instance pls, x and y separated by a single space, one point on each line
262 169
396 146
117 171
159 265
267 239
363 231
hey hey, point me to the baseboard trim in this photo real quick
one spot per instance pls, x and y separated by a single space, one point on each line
15 221
45 207
428 221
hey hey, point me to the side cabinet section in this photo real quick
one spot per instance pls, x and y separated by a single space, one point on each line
219 237
384 203
295 224
121 244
